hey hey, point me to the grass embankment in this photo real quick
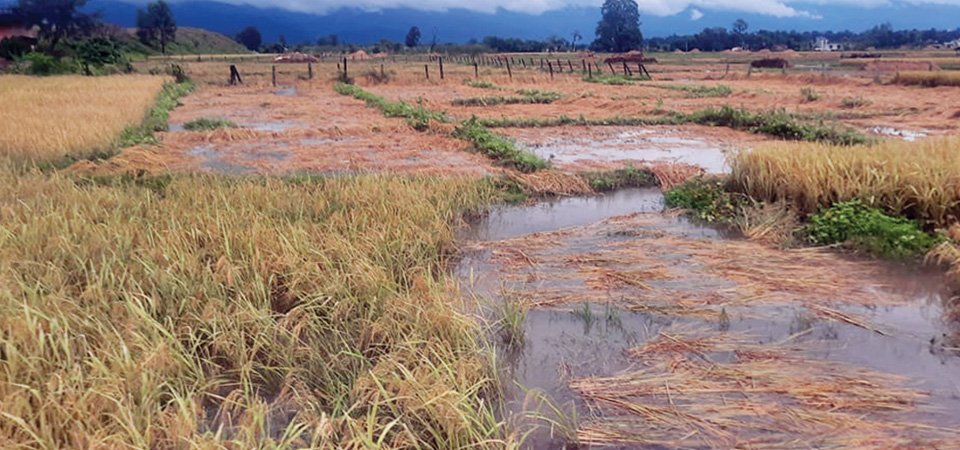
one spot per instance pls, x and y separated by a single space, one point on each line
57 120
418 117
242 313
928 79
525 97
499 148
777 124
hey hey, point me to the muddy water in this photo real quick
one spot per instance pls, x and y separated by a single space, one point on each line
588 336
641 146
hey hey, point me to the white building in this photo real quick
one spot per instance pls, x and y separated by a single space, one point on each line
823 45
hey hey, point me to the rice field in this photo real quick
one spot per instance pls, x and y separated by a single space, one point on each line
47 119
211 312
919 180
928 79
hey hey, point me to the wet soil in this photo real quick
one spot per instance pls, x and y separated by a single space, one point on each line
610 280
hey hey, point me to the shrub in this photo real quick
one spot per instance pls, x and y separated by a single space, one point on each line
770 63
706 199
809 94
853 102
41 64
869 230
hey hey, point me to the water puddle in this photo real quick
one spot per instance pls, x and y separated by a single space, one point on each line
212 160
632 309
909 136
637 146
287 92
270 126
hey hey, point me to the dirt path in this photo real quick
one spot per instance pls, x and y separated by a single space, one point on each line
667 334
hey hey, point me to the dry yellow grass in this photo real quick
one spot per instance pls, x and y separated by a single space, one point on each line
928 79
50 118
920 180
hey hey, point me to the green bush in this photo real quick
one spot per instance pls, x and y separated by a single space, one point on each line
12 48
775 123
706 199
42 65
869 230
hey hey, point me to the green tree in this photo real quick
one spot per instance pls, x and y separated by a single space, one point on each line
413 37
740 26
98 52
250 38
55 19
619 27
156 25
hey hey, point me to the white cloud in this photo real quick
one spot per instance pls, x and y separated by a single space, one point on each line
696 14
776 8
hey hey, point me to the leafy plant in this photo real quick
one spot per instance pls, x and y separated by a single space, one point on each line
706 199
853 102
870 230
809 94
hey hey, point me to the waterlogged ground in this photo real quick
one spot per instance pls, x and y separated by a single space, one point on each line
666 334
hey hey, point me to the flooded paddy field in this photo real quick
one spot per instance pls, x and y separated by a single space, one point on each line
664 333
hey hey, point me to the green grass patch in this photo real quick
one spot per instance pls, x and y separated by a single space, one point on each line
779 124
481 84
417 116
699 91
706 199
205 124
615 79
158 118
499 148
870 230
613 180
526 97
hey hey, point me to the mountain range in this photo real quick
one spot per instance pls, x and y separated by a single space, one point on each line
358 26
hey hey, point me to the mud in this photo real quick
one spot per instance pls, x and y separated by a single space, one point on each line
607 277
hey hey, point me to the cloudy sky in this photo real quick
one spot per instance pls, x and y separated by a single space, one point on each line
773 8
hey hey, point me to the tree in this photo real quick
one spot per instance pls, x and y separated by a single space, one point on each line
740 26
98 52
619 27
250 38
55 19
156 24
576 38
413 37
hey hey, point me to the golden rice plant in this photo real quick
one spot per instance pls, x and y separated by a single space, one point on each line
206 312
44 119
920 180
928 79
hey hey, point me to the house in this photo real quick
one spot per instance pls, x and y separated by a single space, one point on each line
11 27
824 45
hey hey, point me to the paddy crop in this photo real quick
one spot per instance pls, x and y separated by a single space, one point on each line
928 79
49 119
917 180
194 311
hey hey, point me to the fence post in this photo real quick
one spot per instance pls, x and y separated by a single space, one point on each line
274 76
309 71
570 63
383 73
441 66
550 65
476 70
346 74
584 62
426 70
589 71
235 76
509 72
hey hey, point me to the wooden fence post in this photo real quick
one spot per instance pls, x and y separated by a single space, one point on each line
441 67
274 76
550 65
570 63
309 71
476 70
235 76
426 70
584 62
509 72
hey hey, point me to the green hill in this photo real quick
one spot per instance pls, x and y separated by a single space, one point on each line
192 41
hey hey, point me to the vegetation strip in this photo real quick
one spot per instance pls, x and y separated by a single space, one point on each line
418 117
205 124
778 124
157 119
496 147
698 91
528 97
